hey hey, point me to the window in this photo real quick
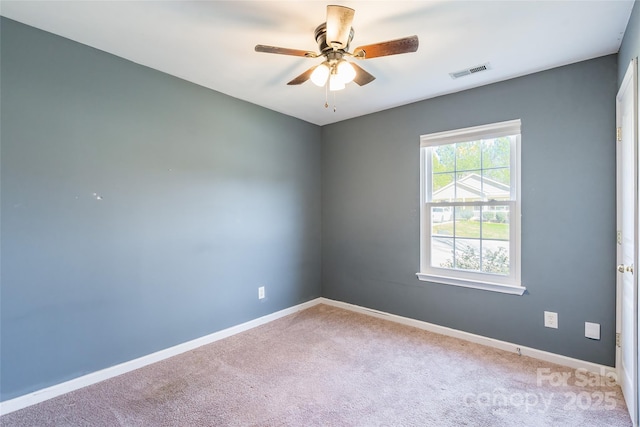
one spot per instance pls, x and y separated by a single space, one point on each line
470 207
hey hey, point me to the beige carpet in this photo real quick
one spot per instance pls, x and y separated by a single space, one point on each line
329 367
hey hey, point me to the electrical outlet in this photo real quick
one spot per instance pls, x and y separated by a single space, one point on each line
261 292
551 319
592 330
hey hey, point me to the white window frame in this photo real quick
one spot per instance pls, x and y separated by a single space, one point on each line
510 284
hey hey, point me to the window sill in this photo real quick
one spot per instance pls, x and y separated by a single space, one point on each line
486 286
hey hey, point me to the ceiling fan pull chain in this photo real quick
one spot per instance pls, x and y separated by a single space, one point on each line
334 102
326 95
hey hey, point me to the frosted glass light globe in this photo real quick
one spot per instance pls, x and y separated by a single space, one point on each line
335 83
320 74
346 72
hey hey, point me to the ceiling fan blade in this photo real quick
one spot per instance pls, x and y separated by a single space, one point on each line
339 20
362 77
284 51
391 47
303 77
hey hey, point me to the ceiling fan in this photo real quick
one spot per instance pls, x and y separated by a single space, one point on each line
333 38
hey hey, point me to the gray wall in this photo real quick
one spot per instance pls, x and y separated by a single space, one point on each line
204 198
370 207
630 43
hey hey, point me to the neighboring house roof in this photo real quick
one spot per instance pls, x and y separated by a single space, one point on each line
473 187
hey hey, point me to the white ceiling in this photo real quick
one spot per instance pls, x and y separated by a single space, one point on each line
211 43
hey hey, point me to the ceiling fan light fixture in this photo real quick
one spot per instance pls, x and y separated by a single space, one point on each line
345 71
320 74
335 83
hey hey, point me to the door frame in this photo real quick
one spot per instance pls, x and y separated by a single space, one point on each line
630 79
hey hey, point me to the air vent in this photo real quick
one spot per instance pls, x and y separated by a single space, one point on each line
472 70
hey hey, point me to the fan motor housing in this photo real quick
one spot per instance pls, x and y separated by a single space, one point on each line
321 39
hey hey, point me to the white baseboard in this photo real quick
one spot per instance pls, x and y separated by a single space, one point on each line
38 396
479 339
17 403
